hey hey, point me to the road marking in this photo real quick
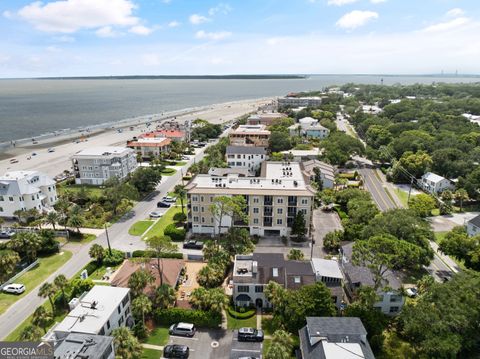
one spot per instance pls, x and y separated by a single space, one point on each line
178 336
246 350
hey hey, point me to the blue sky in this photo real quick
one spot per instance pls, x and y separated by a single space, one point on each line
126 37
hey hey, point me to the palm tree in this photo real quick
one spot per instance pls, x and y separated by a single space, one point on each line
31 333
97 252
26 242
61 283
76 221
42 318
139 280
126 345
63 206
181 192
164 296
52 218
141 306
213 299
8 262
295 255
461 195
47 290
281 347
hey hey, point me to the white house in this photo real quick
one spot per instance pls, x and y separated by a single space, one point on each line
433 183
309 127
97 164
327 172
247 157
99 312
328 272
85 346
303 155
473 226
24 190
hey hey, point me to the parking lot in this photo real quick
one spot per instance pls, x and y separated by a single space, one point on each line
207 344
244 349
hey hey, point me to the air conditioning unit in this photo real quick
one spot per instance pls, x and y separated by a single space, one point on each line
73 303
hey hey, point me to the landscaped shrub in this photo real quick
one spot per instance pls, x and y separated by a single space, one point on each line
199 318
187 178
91 267
242 313
78 286
179 217
150 254
113 259
176 234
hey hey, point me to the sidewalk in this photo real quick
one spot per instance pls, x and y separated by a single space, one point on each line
446 259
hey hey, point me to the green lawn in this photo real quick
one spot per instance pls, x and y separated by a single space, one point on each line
168 171
440 235
34 277
267 325
266 345
84 238
91 190
181 163
151 354
158 336
138 228
402 196
162 223
233 323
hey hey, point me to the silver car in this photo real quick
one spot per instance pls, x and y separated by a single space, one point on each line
14 288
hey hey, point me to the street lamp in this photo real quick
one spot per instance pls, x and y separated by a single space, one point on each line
108 239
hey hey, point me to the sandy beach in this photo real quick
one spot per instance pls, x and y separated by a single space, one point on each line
56 162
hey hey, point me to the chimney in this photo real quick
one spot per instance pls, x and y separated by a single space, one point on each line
254 267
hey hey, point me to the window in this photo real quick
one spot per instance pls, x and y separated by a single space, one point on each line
304 201
125 300
255 221
275 272
1 209
255 200
394 298
259 289
1 198
255 210
108 324
279 221
280 200
202 199
202 209
195 198
243 289
279 210
119 309
195 219
296 279
195 208
11 198
394 309
203 219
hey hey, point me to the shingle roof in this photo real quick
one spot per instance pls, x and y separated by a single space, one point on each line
335 328
248 150
475 221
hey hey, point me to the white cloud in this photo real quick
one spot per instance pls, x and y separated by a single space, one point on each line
455 12
356 19
447 25
339 2
377 1
197 19
106 31
151 59
220 8
173 24
141 30
7 14
68 16
64 38
220 35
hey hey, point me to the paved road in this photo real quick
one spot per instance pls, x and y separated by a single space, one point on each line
376 188
119 239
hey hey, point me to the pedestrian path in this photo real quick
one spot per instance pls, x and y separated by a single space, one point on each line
151 346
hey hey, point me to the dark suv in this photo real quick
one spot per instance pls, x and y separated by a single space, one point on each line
191 244
250 335
176 351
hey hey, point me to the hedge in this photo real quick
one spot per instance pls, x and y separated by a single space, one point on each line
150 254
237 315
176 234
199 318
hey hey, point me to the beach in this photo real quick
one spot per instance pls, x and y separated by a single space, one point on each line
64 146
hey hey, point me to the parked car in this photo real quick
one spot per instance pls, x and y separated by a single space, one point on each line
191 244
250 335
14 288
182 329
176 351
50 150
13 160
163 204
185 158
7 234
169 199
34 154
412 292
155 214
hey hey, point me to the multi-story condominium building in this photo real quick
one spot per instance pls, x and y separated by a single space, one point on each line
273 200
334 338
98 164
24 190
147 147
252 273
390 300
290 101
247 157
85 346
99 312
433 183
250 135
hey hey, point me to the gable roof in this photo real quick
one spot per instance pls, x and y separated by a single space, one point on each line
475 221
430 176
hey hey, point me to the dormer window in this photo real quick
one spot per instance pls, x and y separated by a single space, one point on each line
275 272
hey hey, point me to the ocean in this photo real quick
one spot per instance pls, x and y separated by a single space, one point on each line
32 107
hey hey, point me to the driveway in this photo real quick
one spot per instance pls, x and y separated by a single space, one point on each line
244 349
323 223
447 222
205 344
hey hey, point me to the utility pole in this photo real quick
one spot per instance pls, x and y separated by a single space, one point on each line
410 190
108 239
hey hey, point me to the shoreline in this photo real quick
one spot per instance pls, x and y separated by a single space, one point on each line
64 136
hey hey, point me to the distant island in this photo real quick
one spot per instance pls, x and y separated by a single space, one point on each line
180 77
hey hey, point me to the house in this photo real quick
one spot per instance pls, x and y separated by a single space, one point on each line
24 190
334 338
291 101
265 118
326 171
372 109
171 272
171 134
252 273
433 183
328 272
302 155
250 135
98 312
473 226
85 346
148 147
246 157
390 300
273 200
309 127
97 164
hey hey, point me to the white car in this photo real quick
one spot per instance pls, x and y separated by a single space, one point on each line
412 292
169 199
155 214
14 288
